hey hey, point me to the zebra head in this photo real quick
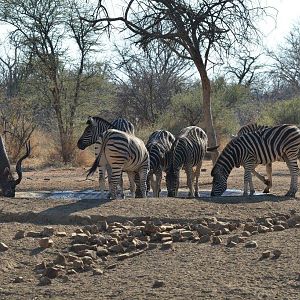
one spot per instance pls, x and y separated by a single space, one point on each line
7 182
95 127
219 185
172 182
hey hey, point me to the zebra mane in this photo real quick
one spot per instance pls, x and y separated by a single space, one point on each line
99 120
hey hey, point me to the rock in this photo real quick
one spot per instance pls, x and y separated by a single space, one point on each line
97 271
33 234
166 239
246 233
158 284
187 234
251 244
152 246
63 278
250 227
167 246
18 279
231 244
87 260
46 242
276 253
278 227
297 225
150 228
101 251
3 247
45 280
204 238
203 230
123 256
61 234
41 266
266 254
70 257
71 272
81 238
60 259
263 229
20 234
51 272
78 264
91 253
116 249
111 266
216 240
47 231
293 220
79 247
102 225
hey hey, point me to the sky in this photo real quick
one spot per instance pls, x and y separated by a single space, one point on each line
287 15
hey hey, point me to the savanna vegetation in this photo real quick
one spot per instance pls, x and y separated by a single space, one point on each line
180 64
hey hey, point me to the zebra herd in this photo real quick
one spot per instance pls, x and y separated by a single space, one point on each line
118 150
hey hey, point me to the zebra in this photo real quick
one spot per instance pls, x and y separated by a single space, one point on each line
7 182
253 148
95 127
158 145
187 151
123 152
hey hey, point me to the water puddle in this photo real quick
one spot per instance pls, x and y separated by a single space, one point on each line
95 195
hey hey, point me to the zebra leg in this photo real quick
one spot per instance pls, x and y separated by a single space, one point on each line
156 183
197 175
122 187
102 181
268 182
116 174
189 179
109 175
143 173
248 181
132 185
294 171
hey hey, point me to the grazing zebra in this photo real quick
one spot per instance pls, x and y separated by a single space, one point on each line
7 182
252 127
187 151
123 152
253 148
158 145
95 127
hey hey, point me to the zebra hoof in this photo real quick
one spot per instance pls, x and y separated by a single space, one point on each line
197 195
266 191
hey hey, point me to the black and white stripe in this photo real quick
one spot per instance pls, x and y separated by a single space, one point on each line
252 127
187 151
259 147
96 126
123 152
158 145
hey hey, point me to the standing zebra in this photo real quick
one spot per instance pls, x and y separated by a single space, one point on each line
95 127
123 152
187 151
159 145
253 148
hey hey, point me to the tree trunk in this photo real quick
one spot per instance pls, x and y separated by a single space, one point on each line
208 119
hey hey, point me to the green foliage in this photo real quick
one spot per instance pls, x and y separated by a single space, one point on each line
282 112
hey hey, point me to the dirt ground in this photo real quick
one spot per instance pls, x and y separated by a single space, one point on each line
188 269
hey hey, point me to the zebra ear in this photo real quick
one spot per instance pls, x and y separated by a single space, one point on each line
233 136
91 121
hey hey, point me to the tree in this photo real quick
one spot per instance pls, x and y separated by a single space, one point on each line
200 31
286 68
147 82
43 28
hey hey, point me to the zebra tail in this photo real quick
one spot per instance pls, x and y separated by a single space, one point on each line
95 165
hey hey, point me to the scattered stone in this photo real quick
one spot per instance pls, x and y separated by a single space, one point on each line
78 264
3 247
266 254
231 244
276 253
297 225
103 225
123 256
79 247
90 253
158 284
46 242
47 231
71 257
111 266
51 272
251 244
41 266
116 249
33 234
246 233
152 246
87 260
204 238
60 259
216 240
45 280
187 234
203 230
20 234
61 234
71 272
97 271
250 227
63 278
18 279
167 246
81 238
278 227
101 251
293 220
263 229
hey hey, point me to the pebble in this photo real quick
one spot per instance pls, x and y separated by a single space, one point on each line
18 279
97 271
158 284
276 253
46 242
3 247
251 244
266 254
216 240
20 234
45 280
278 227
